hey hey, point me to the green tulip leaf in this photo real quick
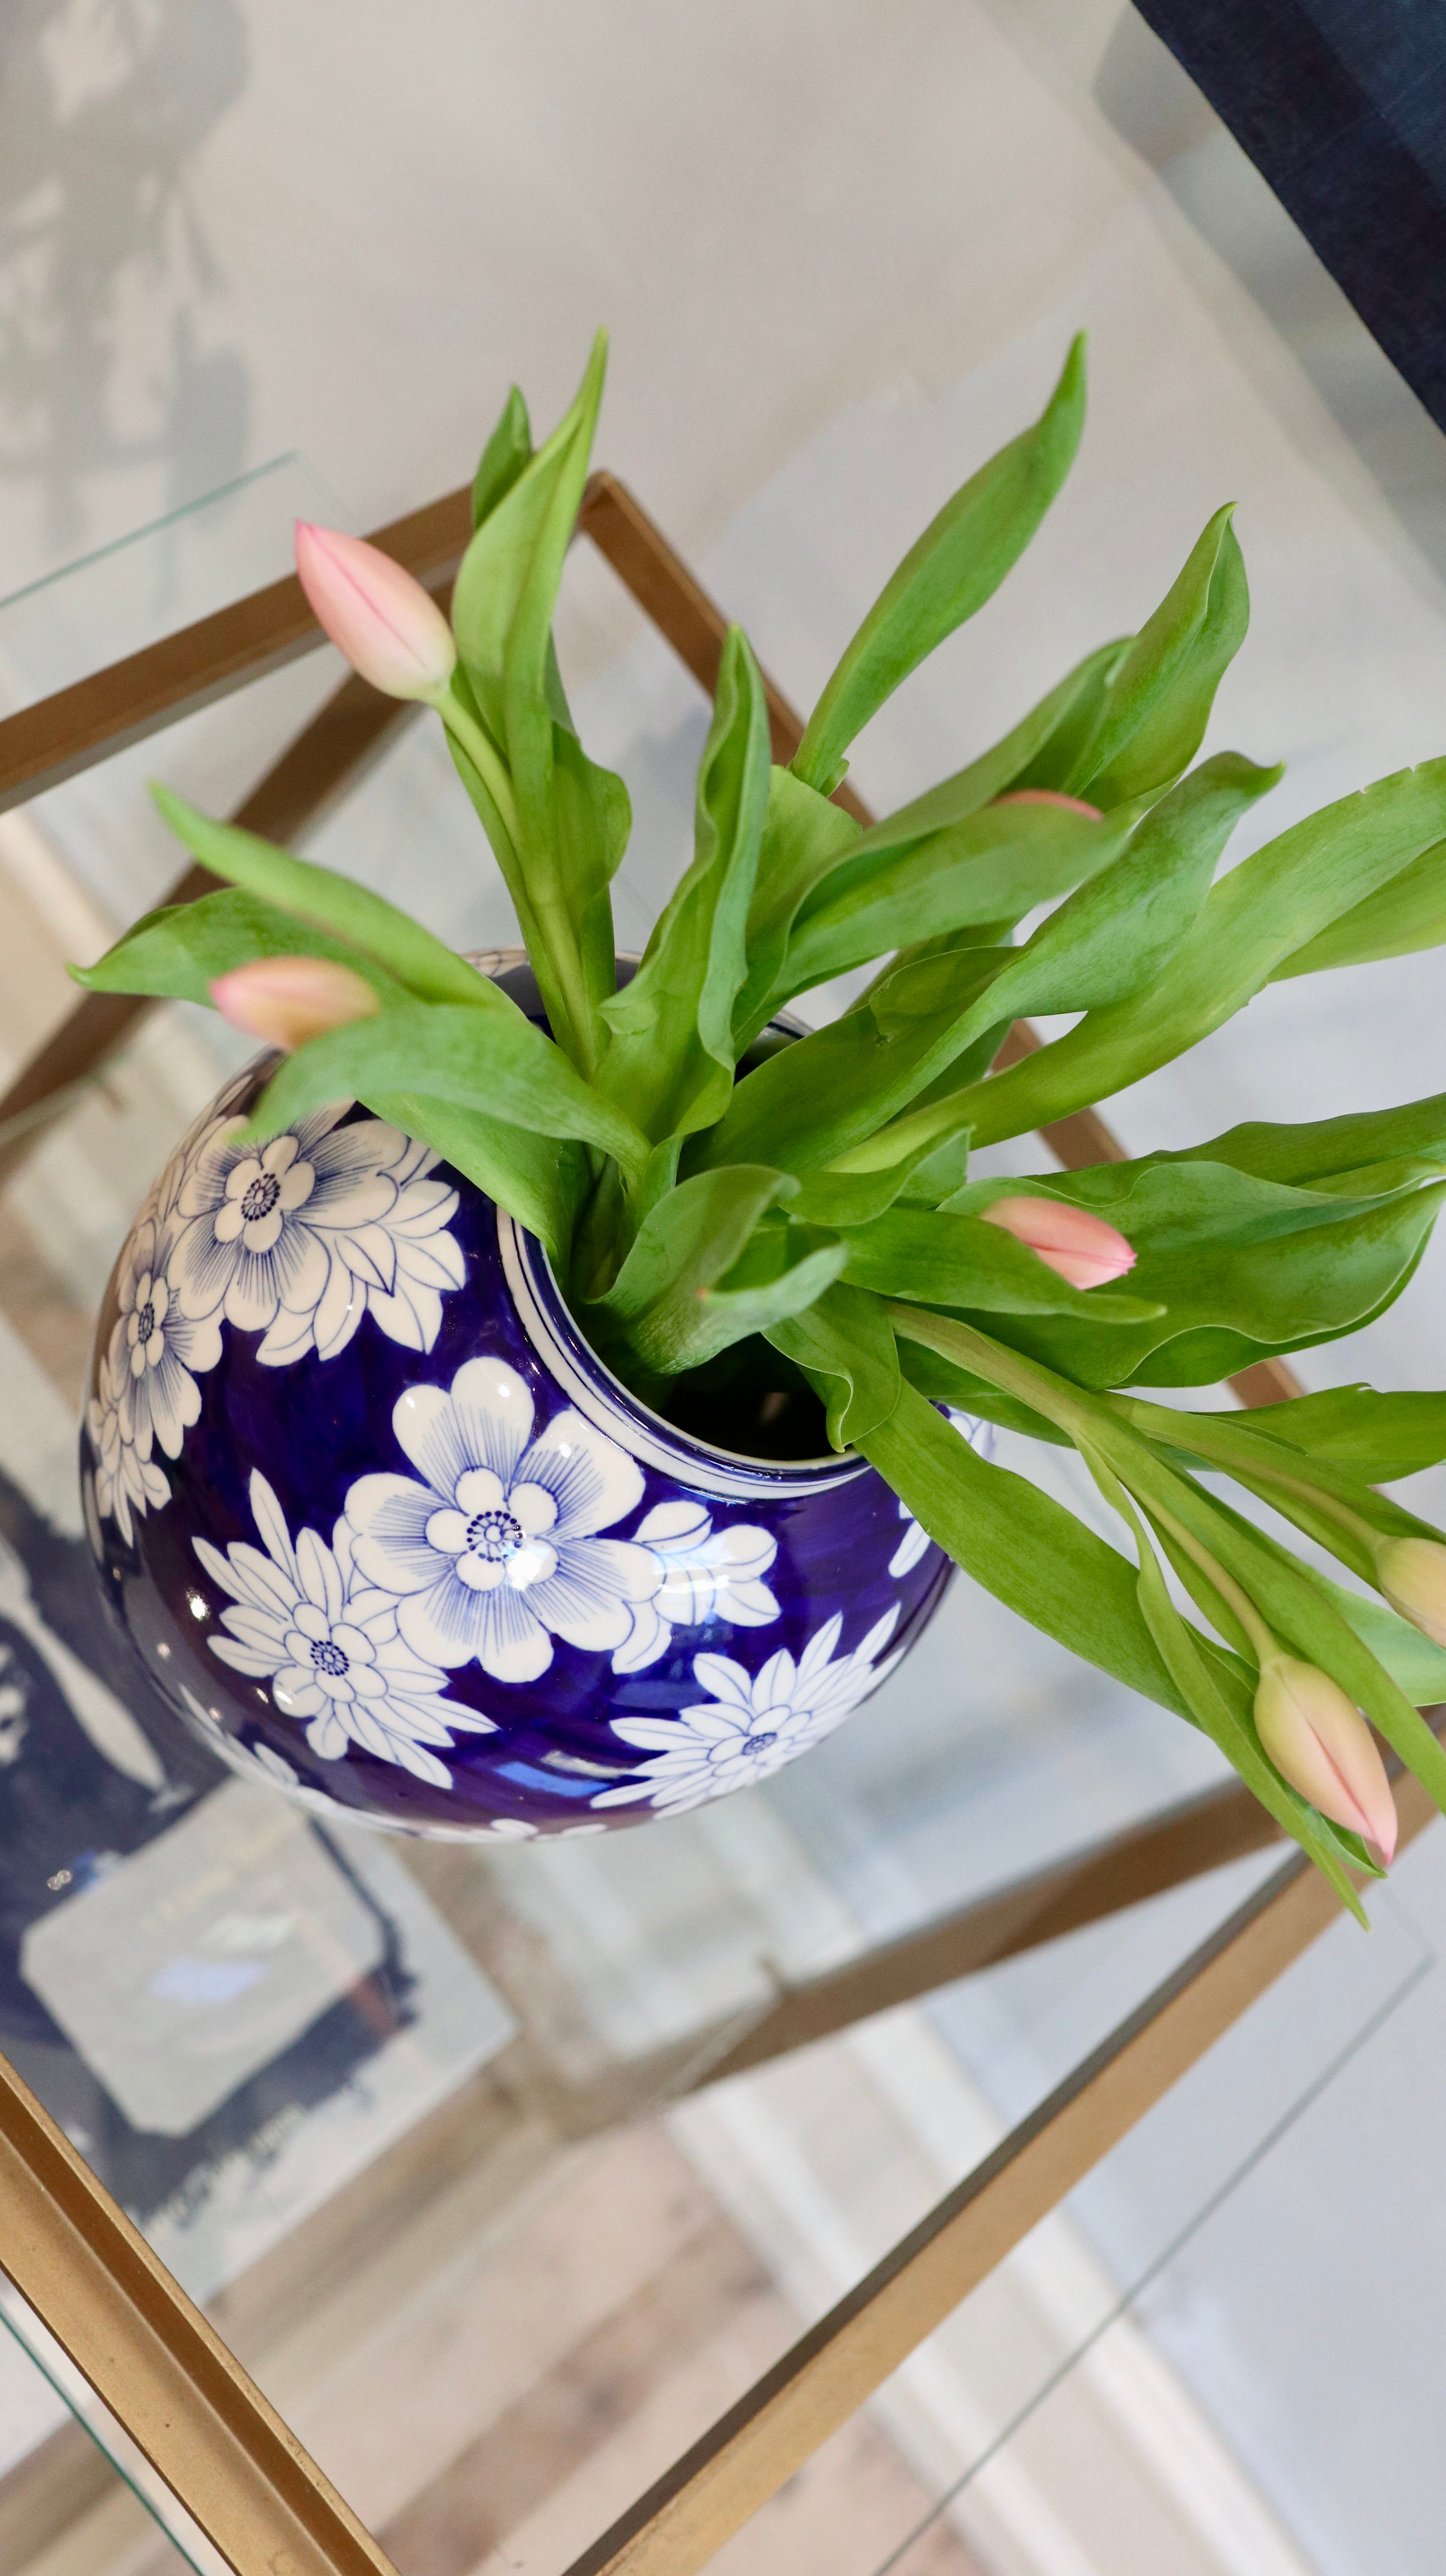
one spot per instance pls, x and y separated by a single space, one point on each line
946 1260
1259 914
1020 1544
507 451
995 865
782 1271
683 1247
957 564
505 1068
804 837
429 970
671 1057
1154 716
1379 1437
1224 1305
844 1343
178 952
540 1180
1405 916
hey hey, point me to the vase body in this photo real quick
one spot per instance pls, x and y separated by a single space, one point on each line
385 1529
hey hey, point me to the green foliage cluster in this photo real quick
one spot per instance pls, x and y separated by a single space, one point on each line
726 1208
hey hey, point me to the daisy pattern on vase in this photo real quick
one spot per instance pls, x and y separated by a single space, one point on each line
305 1619
299 1238
256 1761
496 1550
146 1392
706 1574
126 1483
156 1351
753 1722
916 1540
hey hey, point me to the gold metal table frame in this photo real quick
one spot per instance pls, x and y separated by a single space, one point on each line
148 2352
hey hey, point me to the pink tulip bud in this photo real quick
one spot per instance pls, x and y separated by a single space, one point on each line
1049 796
1412 1574
383 620
1319 1741
1080 1247
286 1000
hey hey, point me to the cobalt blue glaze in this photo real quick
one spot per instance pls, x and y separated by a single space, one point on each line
386 1531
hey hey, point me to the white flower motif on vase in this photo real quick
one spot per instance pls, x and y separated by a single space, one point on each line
496 1552
307 1620
916 1540
157 1352
126 1483
146 1385
753 1723
706 1574
256 1761
299 1238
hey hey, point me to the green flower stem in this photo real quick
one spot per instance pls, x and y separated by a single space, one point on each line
1092 1423
1161 1427
1079 1416
554 922
484 755
1263 1639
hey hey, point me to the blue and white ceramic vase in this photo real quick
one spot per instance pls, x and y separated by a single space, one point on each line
389 1534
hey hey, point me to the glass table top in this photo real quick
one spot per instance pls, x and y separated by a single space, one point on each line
427 2128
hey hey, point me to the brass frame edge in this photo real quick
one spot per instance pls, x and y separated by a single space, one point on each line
164 2373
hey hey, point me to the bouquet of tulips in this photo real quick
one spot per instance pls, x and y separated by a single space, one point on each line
785 1225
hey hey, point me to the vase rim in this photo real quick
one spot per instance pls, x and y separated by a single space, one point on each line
604 1399
598 1393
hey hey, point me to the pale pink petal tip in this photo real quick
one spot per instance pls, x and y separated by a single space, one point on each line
1080 1248
1317 1738
285 1001
386 624
1051 796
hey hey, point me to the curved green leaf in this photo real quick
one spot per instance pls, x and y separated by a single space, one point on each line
1381 1437
995 865
683 1247
947 1260
505 1068
1224 1305
1259 914
957 564
670 1059
1154 717
1398 920
426 966
539 1180
1021 1545
507 451
844 1343
178 951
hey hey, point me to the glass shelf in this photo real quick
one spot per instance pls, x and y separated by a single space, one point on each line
327 2070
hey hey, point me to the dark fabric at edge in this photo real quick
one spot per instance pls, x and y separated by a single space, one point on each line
1366 206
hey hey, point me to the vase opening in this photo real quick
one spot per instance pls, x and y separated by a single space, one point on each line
751 1404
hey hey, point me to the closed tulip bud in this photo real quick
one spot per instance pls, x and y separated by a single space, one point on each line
1412 1574
382 620
1080 1247
1319 1741
286 1000
1051 796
